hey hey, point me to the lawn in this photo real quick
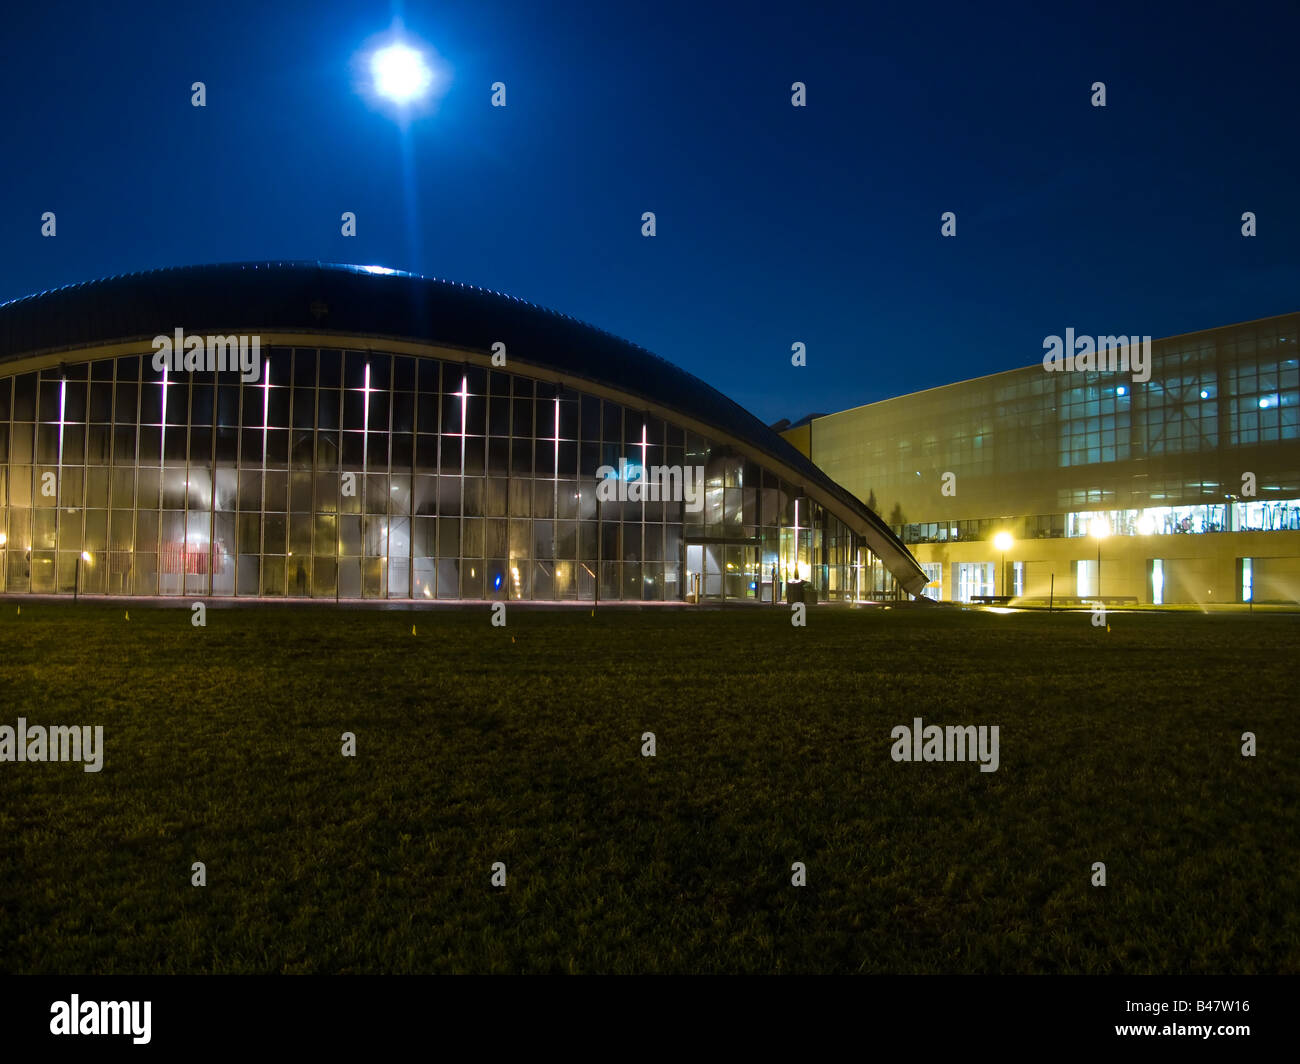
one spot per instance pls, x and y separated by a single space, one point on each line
522 745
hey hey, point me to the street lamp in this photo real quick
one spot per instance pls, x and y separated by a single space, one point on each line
1100 529
1003 542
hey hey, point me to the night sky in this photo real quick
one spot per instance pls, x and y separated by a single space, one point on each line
775 224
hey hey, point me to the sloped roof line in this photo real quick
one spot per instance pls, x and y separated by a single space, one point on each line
347 299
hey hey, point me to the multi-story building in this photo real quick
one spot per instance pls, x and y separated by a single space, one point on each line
1183 487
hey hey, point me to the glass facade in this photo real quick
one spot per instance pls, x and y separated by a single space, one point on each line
350 474
1187 482
1045 449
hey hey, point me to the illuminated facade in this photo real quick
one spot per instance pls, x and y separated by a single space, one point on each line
1193 475
376 451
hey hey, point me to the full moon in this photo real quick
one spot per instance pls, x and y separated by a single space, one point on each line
400 73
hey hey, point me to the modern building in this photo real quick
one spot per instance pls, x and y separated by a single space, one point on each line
1180 488
343 432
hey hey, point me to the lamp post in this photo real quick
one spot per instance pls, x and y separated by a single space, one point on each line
1003 542
1100 530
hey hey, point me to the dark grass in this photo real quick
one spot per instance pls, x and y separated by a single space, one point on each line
522 745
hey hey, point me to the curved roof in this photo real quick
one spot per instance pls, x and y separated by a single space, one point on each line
376 302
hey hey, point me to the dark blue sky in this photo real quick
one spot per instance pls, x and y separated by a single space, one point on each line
775 224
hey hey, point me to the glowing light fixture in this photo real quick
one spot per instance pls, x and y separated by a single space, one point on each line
1003 542
1100 530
